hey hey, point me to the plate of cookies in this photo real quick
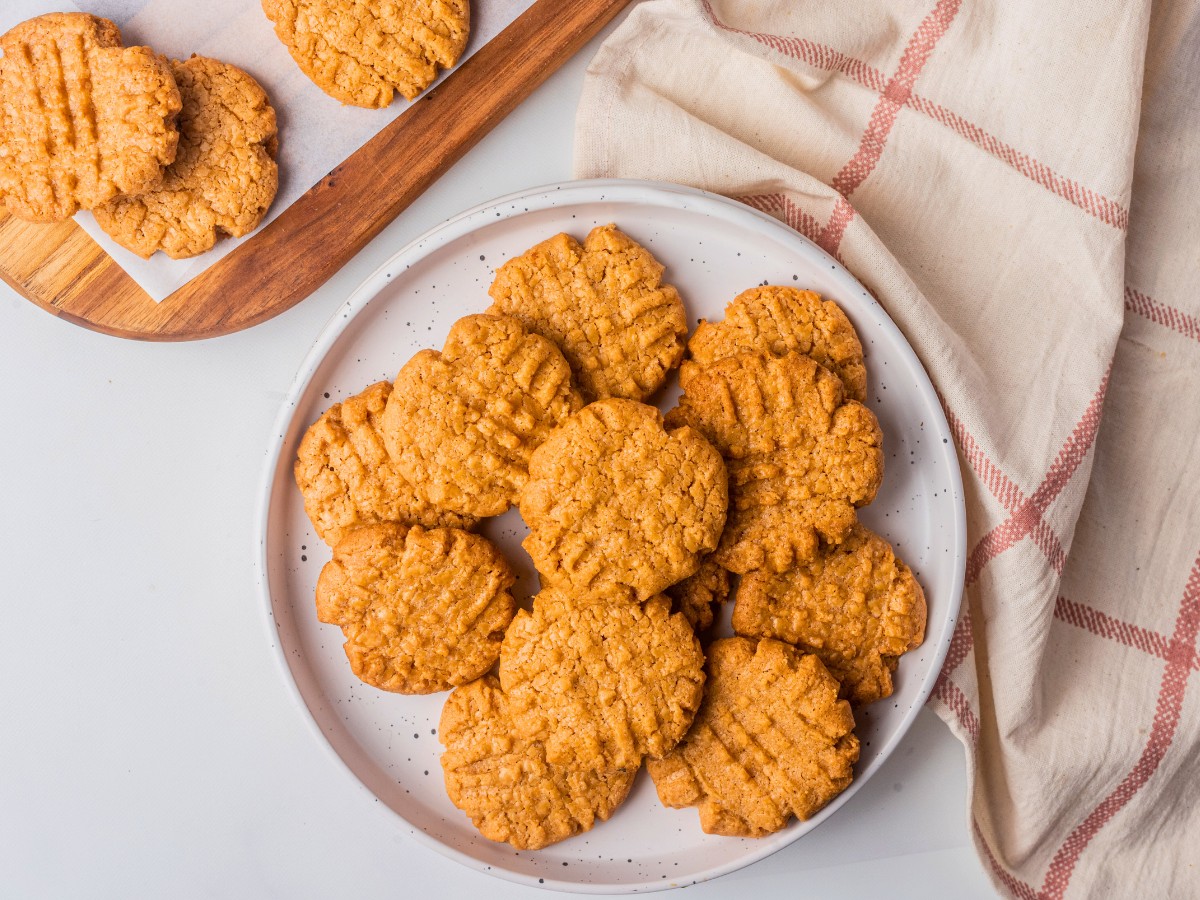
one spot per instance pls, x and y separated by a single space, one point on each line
612 537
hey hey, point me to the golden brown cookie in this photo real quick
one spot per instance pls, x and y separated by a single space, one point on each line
603 304
800 458
504 783
361 53
699 595
224 175
422 611
777 319
347 478
82 118
771 740
602 680
855 605
462 424
614 500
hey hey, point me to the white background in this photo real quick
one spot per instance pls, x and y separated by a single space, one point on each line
147 745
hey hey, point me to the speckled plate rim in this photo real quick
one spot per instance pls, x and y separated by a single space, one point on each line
612 190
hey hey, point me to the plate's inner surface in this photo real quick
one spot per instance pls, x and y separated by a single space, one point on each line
389 741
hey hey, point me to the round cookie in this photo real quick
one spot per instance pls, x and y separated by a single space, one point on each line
505 784
800 457
771 740
601 680
856 606
603 304
224 176
82 118
615 501
347 478
362 53
699 595
422 611
778 319
462 424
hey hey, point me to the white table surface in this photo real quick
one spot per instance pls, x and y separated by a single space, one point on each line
147 745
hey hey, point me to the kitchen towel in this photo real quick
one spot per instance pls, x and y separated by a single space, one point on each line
1018 184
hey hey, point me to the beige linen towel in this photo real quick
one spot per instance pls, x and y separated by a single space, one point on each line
974 165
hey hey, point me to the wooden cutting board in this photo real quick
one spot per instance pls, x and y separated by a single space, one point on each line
66 273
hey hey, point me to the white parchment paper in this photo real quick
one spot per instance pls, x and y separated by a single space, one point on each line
316 132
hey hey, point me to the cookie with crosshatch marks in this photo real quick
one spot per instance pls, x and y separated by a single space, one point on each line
614 500
224 176
348 479
362 53
801 457
505 783
603 304
600 679
855 605
461 425
779 319
770 741
82 118
422 611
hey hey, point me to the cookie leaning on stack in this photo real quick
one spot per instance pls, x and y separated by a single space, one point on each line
781 320
505 783
169 156
772 740
856 606
347 477
82 118
461 424
603 304
422 611
601 679
223 177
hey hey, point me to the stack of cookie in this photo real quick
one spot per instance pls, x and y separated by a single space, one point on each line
168 155
539 403
778 387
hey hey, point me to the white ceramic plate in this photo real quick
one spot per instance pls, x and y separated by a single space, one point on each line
713 248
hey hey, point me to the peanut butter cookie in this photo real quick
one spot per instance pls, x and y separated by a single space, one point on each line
602 680
422 611
362 53
461 424
504 783
604 305
347 478
771 740
614 500
800 457
82 118
855 605
224 175
779 320
699 595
